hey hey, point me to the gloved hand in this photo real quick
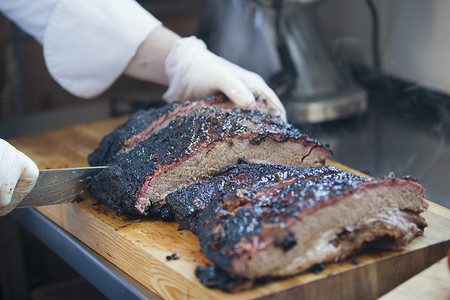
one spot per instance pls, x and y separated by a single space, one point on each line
195 72
18 175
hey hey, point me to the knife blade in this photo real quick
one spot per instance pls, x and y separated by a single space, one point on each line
55 186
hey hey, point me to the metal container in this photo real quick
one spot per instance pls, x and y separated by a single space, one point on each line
280 40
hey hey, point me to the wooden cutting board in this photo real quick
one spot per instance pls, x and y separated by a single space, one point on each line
139 247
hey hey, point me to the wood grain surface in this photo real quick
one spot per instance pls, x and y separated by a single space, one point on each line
139 247
433 283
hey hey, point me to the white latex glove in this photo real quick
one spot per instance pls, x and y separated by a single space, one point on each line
195 72
18 175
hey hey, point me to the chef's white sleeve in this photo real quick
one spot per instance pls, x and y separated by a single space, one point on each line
30 16
87 43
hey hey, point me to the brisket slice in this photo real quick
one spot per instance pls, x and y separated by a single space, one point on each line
257 221
191 148
142 124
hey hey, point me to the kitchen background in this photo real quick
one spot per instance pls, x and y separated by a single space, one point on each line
397 51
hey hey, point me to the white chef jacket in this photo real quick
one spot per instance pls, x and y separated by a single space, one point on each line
87 43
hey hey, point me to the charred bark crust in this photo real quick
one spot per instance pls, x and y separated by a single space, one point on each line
257 203
246 200
146 122
120 185
112 143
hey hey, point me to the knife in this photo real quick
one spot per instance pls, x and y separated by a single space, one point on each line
55 186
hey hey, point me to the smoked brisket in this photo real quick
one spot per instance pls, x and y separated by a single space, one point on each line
256 221
142 124
159 151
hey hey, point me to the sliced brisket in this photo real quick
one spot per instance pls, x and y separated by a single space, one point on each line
159 151
142 124
255 221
